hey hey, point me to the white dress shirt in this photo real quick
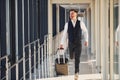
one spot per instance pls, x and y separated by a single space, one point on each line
65 34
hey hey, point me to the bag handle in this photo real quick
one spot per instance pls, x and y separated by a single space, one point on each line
61 51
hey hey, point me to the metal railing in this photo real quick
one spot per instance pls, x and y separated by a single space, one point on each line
35 62
6 68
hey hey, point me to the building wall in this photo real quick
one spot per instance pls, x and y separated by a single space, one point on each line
35 27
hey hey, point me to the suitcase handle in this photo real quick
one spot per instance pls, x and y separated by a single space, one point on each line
60 48
63 56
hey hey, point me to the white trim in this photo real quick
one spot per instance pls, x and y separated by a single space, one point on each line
70 1
50 34
104 37
92 27
111 42
97 36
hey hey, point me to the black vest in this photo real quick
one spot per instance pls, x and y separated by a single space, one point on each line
74 33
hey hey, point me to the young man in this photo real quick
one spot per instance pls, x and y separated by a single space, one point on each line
74 29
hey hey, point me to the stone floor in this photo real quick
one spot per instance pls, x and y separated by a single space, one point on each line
81 77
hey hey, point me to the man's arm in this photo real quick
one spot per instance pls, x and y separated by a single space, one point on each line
85 32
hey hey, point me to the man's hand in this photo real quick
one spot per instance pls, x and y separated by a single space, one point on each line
61 46
86 43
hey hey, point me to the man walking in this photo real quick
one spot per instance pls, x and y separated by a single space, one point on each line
74 29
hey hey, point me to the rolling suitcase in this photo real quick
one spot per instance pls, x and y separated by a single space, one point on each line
61 63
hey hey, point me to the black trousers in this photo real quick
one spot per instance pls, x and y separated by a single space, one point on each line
75 52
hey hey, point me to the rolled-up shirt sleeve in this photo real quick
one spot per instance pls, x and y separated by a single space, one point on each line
85 31
64 35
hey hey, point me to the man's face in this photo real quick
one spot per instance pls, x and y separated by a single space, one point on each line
73 15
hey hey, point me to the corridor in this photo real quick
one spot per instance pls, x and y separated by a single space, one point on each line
31 32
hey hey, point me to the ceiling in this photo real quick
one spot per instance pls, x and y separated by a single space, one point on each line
75 6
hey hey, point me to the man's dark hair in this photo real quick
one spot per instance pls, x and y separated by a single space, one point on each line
75 10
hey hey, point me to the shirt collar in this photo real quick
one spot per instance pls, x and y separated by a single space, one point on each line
74 21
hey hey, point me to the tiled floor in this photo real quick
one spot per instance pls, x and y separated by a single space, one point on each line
81 77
